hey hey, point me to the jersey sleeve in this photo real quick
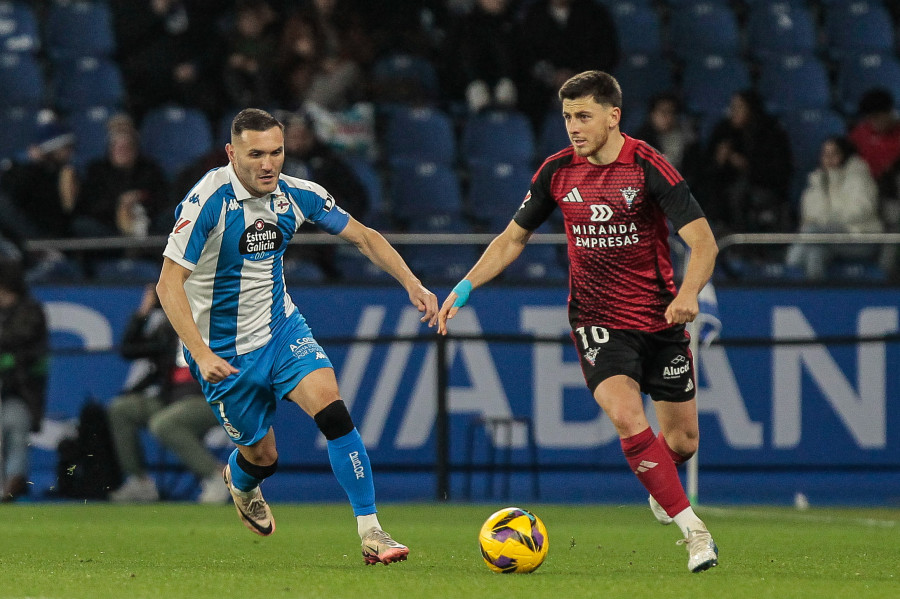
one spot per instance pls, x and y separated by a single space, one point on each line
539 203
318 207
194 219
670 190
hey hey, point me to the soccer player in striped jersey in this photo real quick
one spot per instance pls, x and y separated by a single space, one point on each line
616 194
222 287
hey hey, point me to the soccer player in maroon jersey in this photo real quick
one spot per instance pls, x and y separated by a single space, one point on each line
628 318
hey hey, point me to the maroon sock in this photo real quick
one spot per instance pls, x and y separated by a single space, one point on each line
655 469
676 457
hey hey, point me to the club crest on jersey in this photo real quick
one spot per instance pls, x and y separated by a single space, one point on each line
260 240
280 203
590 354
629 193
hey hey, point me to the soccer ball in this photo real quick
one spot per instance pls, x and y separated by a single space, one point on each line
513 540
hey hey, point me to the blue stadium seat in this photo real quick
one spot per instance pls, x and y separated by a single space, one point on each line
127 271
302 272
420 134
553 136
89 127
19 126
421 191
498 136
441 263
789 83
496 191
703 28
403 79
639 27
538 263
643 76
858 73
87 81
709 82
18 28
21 80
807 130
778 28
79 28
175 136
858 27
372 181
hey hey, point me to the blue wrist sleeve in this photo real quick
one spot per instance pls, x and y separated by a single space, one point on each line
462 291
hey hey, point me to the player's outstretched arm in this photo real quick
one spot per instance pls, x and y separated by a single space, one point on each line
174 301
376 248
502 251
701 262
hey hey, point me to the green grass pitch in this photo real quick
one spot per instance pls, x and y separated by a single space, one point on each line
171 550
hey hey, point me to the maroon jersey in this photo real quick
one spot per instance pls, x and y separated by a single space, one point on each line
620 273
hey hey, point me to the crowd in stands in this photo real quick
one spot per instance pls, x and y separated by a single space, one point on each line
768 108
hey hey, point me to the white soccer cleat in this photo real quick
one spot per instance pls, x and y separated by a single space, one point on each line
378 546
703 553
661 516
251 507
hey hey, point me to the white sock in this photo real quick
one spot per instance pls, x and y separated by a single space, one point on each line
687 521
364 523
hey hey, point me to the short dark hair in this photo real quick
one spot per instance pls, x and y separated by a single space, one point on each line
602 87
12 276
875 100
253 119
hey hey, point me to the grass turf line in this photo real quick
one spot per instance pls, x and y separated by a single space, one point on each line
99 551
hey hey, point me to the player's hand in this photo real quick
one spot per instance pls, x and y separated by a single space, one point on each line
682 310
425 301
448 311
214 369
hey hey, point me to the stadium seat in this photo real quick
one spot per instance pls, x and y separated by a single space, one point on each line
404 79
87 81
19 126
175 136
496 191
89 127
441 263
794 82
807 130
639 27
372 181
21 80
538 263
18 28
643 76
126 271
709 82
858 73
79 28
420 134
424 190
553 136
703 28
858 27
498 136
778 28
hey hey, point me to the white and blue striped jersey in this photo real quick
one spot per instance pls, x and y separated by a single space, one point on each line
234 243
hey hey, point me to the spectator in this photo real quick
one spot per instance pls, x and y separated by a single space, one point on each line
23 374
747 170
482 61
41 191
558 39
876 136
123 191
161 396
667 129
307 157
247 74
840 197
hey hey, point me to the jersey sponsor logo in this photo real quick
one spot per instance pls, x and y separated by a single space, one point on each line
679 366
629 193
600 213
233 205
646 465
357 465
573 196
305 346
260 240
179 225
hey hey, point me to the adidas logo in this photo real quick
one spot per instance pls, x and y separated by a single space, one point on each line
646 465
573 196
690 386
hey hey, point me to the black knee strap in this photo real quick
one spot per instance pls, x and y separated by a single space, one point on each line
254 470
334 420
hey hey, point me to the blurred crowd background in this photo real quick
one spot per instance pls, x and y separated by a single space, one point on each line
432 115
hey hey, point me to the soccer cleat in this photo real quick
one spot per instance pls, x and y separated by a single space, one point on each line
661 516
251 507
702 551
135 489
378 546
213 491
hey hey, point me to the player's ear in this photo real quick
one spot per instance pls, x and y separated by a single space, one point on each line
229 150
615 117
